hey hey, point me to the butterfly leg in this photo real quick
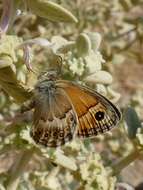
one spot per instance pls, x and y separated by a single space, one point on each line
27 106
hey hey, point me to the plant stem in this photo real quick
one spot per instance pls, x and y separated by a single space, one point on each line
124 162
18 168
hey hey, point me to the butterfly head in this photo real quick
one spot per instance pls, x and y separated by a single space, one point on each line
46 81
50 75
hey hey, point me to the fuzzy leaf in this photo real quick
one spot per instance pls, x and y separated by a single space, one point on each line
95 40
51 11
8 44
102 77
12 86
83 44
61 159
133 122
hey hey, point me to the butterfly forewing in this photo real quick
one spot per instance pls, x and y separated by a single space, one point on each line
95 113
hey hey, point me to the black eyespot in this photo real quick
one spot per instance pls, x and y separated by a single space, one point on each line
46 134
99 115
61 134
55 134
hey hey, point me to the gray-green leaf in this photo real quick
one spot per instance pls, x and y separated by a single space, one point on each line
133 122
51 11
83 44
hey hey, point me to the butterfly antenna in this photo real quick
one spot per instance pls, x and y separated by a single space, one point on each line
60 62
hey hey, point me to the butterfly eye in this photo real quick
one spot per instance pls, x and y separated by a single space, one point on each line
99 115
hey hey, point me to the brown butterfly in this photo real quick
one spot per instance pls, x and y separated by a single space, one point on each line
63 108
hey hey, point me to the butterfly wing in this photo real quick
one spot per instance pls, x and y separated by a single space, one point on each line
95 113
54 118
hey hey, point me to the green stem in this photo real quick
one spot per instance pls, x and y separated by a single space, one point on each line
124 162
18 168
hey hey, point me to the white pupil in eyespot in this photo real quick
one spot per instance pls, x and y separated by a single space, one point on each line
99 115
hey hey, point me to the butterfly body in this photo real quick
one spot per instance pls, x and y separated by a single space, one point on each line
63 108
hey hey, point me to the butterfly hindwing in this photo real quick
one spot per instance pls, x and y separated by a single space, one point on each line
54 118
95 113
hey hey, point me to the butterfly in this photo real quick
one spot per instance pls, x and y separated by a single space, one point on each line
63 109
